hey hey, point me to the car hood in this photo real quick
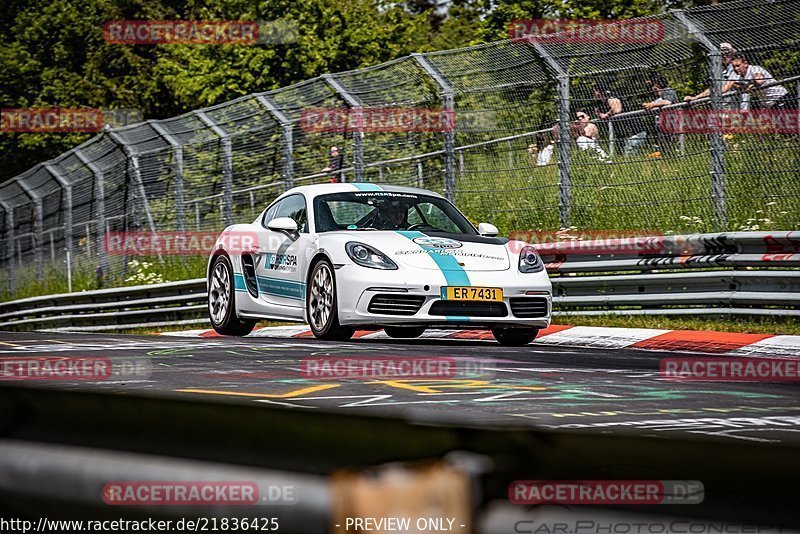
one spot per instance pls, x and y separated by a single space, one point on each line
438 251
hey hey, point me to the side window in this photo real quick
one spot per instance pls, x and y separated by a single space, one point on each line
435 217
413 217
294 207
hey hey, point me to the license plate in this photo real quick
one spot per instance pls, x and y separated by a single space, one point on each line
487 294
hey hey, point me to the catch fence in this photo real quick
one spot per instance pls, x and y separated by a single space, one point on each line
514 156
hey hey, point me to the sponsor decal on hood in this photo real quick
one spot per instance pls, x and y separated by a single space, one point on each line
437 242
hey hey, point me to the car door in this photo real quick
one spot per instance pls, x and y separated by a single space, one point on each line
280 268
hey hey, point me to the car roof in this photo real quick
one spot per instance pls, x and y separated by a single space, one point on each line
311 191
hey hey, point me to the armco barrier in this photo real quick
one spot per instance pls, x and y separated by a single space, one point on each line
738 273
160 304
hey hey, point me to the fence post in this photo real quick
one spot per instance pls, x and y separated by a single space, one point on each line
286 138
66 186
9 248
714 57
564 177
448 105
611 140
38 232
100 203
358 137
227 165
177 162
133 160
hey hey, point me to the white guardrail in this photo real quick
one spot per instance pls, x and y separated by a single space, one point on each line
736 273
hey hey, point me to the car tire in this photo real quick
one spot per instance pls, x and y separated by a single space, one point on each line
222 300
322 304
514 337
404 332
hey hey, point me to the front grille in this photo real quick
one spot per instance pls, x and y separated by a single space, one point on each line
469 308
529 307
388 304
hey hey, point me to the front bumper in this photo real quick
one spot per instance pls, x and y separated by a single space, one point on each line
356 287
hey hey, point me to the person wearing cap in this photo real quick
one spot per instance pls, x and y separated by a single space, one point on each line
728 74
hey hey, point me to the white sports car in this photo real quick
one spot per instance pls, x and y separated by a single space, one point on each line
341 256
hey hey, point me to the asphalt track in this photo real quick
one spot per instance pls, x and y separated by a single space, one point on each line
556 387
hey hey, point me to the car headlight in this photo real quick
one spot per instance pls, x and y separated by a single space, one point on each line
366 256
529 260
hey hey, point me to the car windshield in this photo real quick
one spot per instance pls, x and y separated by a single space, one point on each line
388 210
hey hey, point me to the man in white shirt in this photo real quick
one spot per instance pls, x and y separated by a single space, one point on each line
751 79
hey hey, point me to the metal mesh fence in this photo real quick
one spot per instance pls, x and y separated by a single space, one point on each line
552 133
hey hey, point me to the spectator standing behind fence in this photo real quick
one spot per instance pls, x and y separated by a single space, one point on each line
335 164
586 135
750 79
609 109
664 96
732 100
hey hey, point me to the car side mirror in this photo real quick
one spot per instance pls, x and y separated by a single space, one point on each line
283 224
489 230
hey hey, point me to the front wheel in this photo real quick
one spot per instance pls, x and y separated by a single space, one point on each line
222 301
322 305
514 337
404 332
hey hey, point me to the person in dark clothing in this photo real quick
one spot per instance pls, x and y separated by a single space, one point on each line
664 96
335 164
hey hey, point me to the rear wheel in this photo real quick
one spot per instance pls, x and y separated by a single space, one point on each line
322 305
404 332
514 337
222 301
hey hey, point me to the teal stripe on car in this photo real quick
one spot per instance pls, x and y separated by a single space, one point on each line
273 286
281 288
363 186
454 274
238 282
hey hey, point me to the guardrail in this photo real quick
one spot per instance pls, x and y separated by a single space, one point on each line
738 273
126 307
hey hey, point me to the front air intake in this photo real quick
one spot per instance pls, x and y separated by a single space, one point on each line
389 304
